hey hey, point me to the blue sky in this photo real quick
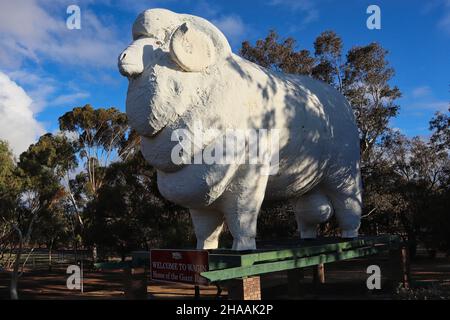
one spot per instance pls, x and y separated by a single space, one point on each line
46 69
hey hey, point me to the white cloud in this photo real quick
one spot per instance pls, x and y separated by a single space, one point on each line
422 91
138 6
36 30
424 99
38 87
45 91
232 26
307 7
444 22
443 9
68 98
434 105
206 9
17 122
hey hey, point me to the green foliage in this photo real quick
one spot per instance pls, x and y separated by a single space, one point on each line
9 182
328 51
276 222
433 291
43 196
100 137
280 56
95 126
128 214
407 188
43 166
6 162
88 185
366 86
10 185
440 125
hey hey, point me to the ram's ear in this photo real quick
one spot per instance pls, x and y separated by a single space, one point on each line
192 49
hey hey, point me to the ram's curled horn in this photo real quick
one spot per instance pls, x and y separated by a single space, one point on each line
191 49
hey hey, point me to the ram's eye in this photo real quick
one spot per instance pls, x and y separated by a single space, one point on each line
159 43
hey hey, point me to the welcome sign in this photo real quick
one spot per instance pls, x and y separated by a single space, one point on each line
182 266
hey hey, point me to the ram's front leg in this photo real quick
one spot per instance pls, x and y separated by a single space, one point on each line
241 204
208 225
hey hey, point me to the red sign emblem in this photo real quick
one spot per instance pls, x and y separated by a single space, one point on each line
179 265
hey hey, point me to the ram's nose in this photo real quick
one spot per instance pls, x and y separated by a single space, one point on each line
130 63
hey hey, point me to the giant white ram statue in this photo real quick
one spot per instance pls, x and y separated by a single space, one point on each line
184 77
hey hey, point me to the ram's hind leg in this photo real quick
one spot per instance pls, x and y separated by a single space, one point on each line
346 199
208 225
348 213
310 210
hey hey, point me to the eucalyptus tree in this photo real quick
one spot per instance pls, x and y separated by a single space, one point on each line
99 135
30 190
10 185
101 138
366 85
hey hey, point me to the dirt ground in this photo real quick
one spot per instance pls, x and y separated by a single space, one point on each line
344 280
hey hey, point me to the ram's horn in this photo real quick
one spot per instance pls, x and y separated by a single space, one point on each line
192 49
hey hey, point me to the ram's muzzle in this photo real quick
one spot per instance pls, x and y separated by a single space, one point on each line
133 60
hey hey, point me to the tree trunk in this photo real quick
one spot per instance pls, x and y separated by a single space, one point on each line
15 273
22 242
76 251
13 285
50 249
412 245
94 253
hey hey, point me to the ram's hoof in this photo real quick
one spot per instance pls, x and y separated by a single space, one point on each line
243 244
349 234
308 232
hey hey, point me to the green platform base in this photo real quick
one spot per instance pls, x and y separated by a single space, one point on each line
226 264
